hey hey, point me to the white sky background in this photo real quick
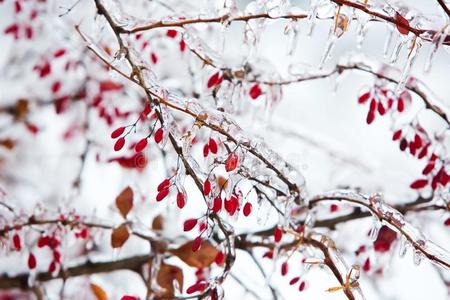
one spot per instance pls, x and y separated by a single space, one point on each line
43 166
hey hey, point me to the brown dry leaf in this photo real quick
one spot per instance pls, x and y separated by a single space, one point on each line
22 109
124 202
222 182
119 236
8 144
165 278
99 293
202 258
158 223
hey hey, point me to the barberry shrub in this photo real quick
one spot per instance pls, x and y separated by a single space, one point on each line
219 149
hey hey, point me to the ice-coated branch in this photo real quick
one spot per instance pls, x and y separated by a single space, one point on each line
182 22
390 216
444 7
133 263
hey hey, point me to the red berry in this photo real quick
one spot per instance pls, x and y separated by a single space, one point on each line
118 132
189 224
366 265
334 208
52 267
164 185
294 280
153 58
397 135
419 183
197 243
231 205
302 286
284 268
220 258
278 234
159 135
370 117
141 145
181 200
214 80
255 91
247 209
147 110
364 97
403 144
205 150
385 238
31 261
43 241
171 33
182 45
16 242
400 105
429 167
217 205
59 53
212 146
162 194
447 222
56 86
206 187
381 109
231 162
373 105
119 144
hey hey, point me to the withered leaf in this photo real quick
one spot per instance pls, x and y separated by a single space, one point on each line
21 110
202 258
99 293
119 236
222 182
167 274
8 144
158 223
124 202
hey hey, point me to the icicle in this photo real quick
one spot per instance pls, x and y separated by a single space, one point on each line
361 34
292 31
115 254
404 245
312 16
327 54
363 24
412 54
339 27
418 256
31 277
396 51
388 42
375 230
438 40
